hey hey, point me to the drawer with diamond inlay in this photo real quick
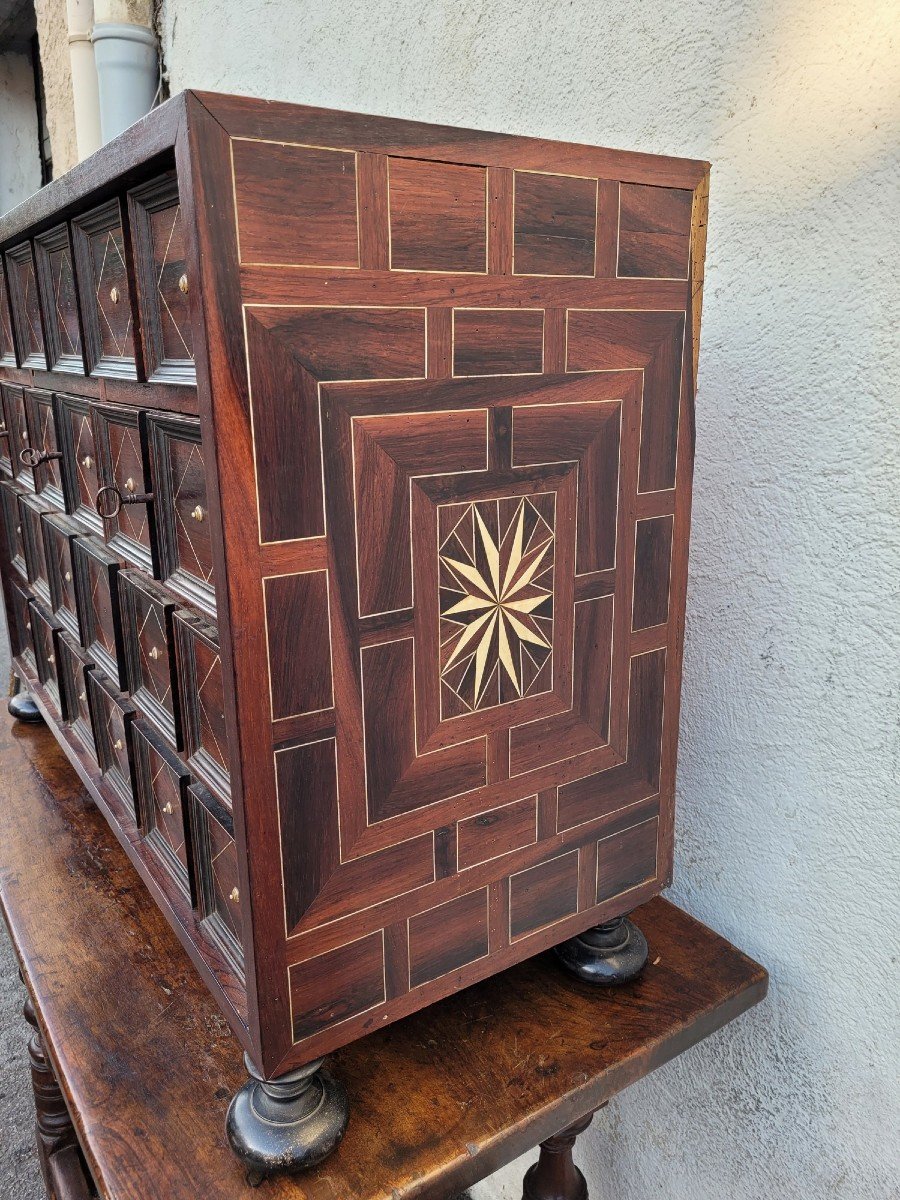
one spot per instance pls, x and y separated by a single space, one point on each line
96 571
56 277
161 273
160 782
31 508
26 314
19 437
81 481
7 348
44 632
215 858
181 508
201 694
111 716
12 525
20 625
147 610
101 268
73 666
124 498
59 533
43 454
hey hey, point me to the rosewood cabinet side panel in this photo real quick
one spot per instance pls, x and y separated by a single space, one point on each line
457 468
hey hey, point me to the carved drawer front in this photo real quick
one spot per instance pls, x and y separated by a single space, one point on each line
56 277
26 310
7 346
215 859
97 595
147 610
124 499
59 533
73 667
31 509
98 240
20 627
44 631
43 455
19 436
163 285
202 701
161 783
111 718
7 413
180 507
80 477
12 525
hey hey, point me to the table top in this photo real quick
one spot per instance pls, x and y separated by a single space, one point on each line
438 1100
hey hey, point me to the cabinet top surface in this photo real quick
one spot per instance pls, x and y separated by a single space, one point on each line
438 1100
248 117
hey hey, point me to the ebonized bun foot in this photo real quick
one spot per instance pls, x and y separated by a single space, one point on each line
612 953
287 1124
23 708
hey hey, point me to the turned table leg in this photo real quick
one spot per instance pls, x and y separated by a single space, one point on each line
55 1131
554 1176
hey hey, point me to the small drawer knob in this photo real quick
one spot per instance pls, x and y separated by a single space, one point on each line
154 653
118 744
81 696
197 513
27 624
87 462
183 285
114 295
19 529
51 658
167 808
234 895
129 484
68 576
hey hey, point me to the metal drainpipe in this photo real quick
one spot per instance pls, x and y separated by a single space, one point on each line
85 96
127 69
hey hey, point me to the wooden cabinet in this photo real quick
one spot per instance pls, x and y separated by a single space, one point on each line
345 487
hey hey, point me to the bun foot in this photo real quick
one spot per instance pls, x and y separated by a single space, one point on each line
23 708
288 1124
609 954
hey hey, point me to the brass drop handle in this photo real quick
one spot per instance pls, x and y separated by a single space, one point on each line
108 511
154 653
167 808
183 285
197 513
117 744
51 658
87 462
32 457
234 895
81 696
114 295
68 577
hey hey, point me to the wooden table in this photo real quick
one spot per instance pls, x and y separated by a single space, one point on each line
146 1066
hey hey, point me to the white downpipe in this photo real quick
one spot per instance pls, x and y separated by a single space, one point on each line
127 70
85 94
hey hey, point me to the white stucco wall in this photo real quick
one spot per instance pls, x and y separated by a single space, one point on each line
788 789
20 164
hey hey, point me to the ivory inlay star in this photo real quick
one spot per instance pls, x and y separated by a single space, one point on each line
497 599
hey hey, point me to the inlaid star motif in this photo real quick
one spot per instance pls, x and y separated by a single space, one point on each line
497 600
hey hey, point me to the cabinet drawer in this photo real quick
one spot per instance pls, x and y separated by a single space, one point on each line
20 629
111 718
180 507
43 453
12 525
81 481
161 274
59 533
25 306
147 610
44 632
56 278
202 701
7 454
98 241
19 437
31 509
76 710
161 786
215 859
122 469
7 346
96 571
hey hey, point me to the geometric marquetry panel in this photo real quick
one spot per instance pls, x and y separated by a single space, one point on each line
394 588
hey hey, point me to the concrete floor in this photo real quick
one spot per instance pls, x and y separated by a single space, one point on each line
20 1176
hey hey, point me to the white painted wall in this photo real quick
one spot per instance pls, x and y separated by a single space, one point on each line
789 825
20 164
